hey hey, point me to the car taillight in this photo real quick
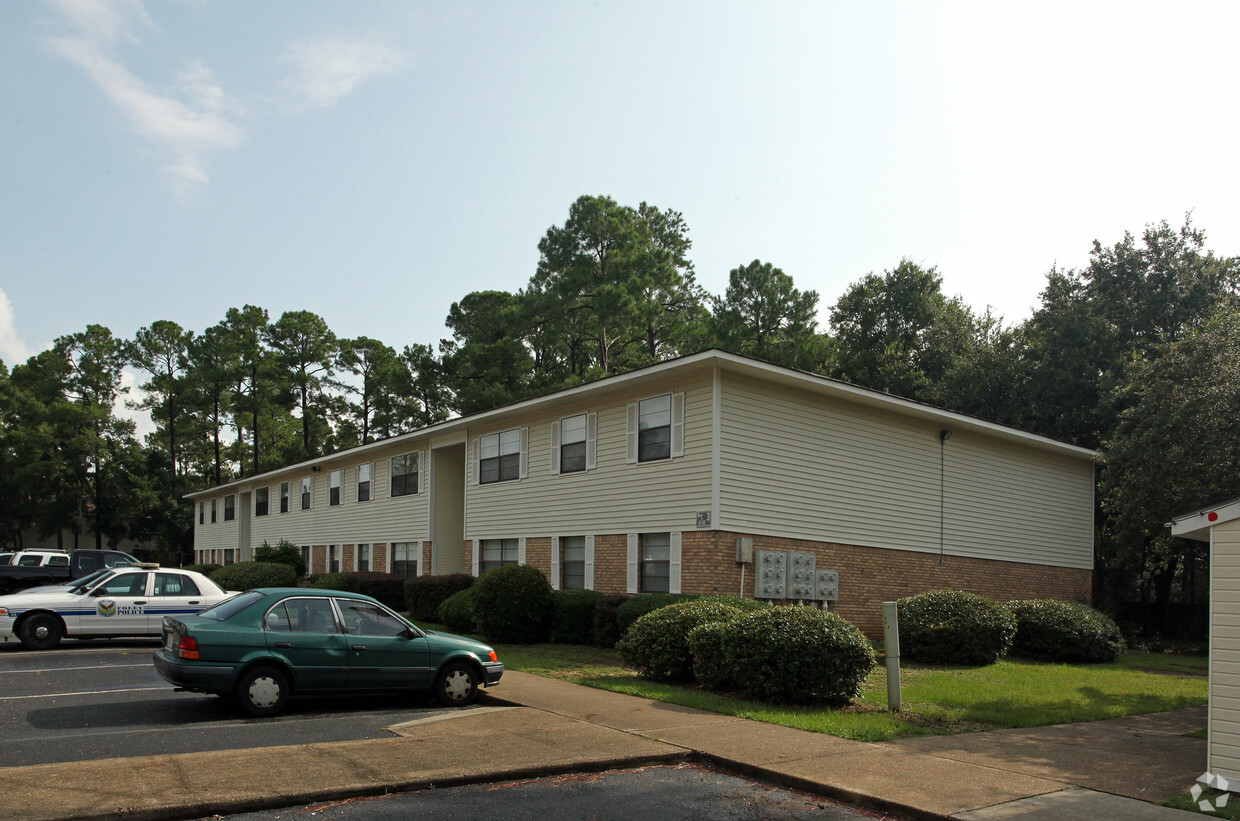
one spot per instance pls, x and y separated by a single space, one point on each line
493 656
188 648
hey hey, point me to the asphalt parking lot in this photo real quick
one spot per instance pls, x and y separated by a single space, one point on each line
103 699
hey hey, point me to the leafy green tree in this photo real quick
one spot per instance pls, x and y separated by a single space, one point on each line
1173 450
380 376
898 332
762 314
485 363
162 350
306 353
212 364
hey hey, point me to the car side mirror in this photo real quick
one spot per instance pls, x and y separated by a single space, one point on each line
408 634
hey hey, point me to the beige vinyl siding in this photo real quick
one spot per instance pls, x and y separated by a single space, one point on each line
1224 744
613 497
451 553
381 520
217 535
806 466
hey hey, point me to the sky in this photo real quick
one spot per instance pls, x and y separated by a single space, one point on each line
373 162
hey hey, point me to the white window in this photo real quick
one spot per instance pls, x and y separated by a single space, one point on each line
572 562
261 503
230 508
363 482
498 553
573 443
307 492
284 497
213 511
654 563
404 473
499 457
333 487
333 558
656 428
363 558
405 558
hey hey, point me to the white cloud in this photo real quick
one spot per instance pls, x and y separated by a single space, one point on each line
194 119
13 349
328 68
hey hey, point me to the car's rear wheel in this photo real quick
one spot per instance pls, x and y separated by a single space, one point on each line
42 631
457 684
262 691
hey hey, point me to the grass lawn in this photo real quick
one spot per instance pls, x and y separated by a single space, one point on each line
936 700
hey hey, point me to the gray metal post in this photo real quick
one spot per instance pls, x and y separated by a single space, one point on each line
891 647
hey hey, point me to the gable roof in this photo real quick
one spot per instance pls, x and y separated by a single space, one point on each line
704 361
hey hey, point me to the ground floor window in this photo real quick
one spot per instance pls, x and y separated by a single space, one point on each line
363 558
229 556
497 553
572 562
655 567
333 558
306 555
405 558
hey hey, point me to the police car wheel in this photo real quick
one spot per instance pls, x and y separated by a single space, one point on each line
41 631
262 691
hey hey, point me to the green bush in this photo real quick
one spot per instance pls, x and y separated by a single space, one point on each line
512 604
657 644
785 654
248 575
1067 631
606 628
639 605
386 587
285 552
457 612
424 594
954 627
205 569
572 616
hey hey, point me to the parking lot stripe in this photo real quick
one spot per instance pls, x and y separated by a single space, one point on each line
82 693
67 669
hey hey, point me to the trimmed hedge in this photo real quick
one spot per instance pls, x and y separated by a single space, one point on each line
512 604
784 654
386 587
425 594
457 612
285 552
1067 631
954 627
205 569
606 628
572 616
248 575
657 644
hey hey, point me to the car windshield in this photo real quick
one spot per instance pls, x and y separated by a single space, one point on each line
227 608
106 574
86 581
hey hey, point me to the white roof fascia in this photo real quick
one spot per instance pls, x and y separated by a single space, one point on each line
1196 525
709 358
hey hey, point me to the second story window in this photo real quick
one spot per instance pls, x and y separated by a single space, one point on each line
307 493
499 457
261 496
573 444
363 482
202 512
230 508
654 428
404 472
213 509
333 487
284 497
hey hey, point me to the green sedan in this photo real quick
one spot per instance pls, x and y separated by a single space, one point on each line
263 646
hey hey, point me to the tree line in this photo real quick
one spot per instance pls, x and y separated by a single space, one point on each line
1137 355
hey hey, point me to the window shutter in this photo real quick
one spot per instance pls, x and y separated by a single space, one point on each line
555 562
591 441
630 438
475 547
589 562
521 550
555 448
673 566
473 464
524 469
424 471
632 562
678 425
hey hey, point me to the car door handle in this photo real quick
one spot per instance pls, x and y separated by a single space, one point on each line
139 602
359 647
283 644
194 602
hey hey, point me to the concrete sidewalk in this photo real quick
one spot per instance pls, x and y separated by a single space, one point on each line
531 726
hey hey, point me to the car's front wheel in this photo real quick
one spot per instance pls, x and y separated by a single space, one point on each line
457 684
42 631
262 691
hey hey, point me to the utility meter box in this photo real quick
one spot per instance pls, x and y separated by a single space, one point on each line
770 574
827 585
801 575
744 550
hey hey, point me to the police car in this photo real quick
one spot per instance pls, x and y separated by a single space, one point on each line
127 601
